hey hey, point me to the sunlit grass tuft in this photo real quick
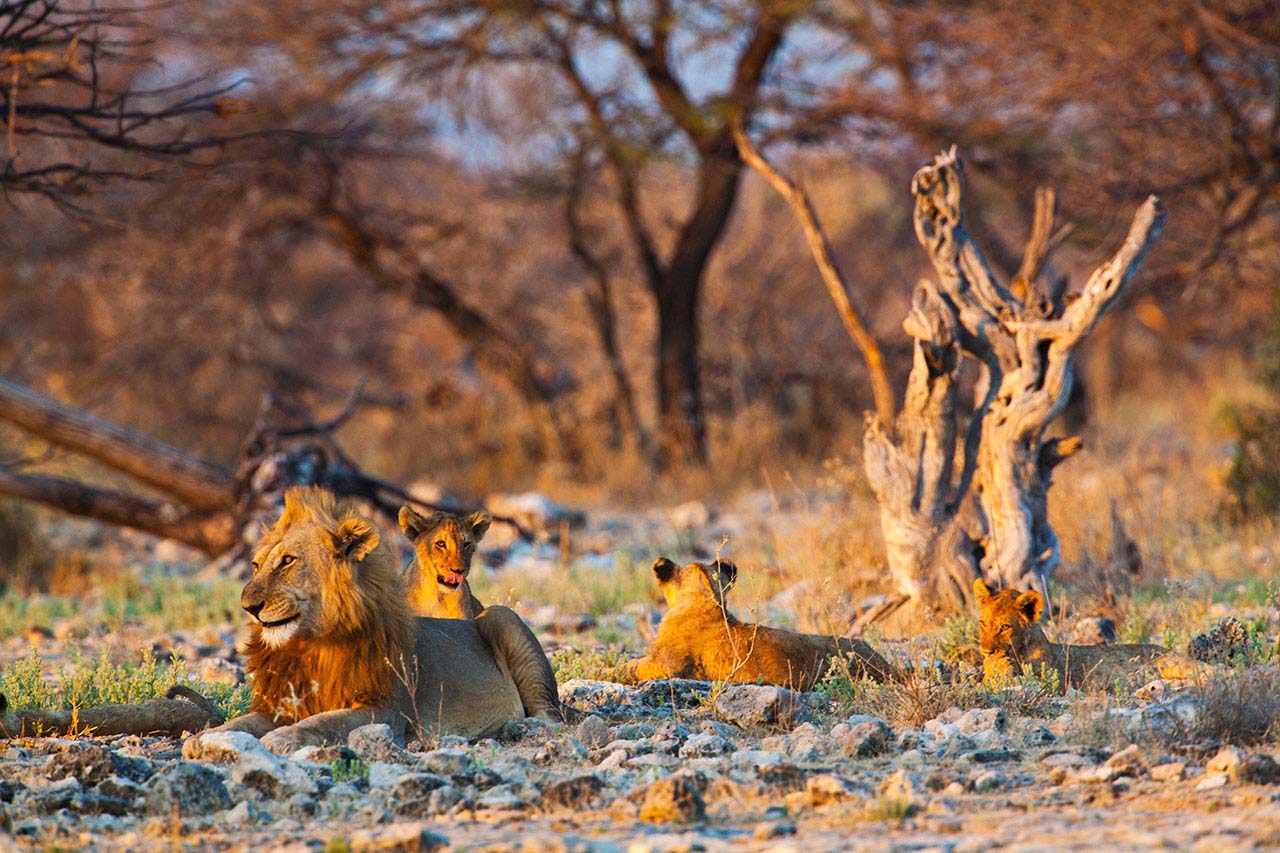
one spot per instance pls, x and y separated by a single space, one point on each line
85 683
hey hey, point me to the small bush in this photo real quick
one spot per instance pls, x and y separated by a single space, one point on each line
87 683
595 664
891 809
352 770
923 694
1241 708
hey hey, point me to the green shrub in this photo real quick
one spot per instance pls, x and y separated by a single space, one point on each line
85 683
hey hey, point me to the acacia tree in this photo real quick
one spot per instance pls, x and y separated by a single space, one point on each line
1105 101
84 102
623 77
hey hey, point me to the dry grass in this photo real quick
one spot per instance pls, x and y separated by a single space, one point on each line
1240 708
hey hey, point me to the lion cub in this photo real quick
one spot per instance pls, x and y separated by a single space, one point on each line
699 638
1010 637
444 543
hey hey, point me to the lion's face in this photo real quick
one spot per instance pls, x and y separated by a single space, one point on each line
301 568
1005 624
445 543
695 582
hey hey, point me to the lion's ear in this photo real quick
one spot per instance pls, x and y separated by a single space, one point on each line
981 591
728 574
412 524
479 522
664 570
353 539
1031 603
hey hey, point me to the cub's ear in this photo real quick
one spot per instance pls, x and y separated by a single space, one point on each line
728 574
412 523
664 570
479 522
980 590
1031 603
353 539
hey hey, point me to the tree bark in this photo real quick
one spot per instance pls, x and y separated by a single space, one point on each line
682 429
199 484
841 293
943 528
213 533
274 457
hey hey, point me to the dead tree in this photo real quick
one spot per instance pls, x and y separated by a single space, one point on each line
989 519
942 527
72 99
202 505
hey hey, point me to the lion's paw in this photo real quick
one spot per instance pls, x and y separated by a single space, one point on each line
286 740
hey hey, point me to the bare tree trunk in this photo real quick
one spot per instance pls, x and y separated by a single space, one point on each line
839 289
196 482
600 305
943 528
275 456
213 533
682 429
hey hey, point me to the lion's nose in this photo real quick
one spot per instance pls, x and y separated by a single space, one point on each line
254 608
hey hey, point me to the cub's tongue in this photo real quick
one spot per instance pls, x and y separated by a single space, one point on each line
452 578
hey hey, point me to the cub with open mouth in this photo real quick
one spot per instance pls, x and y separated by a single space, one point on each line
444 544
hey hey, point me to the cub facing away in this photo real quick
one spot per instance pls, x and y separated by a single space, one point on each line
444 544
699 638
1011 639
333 645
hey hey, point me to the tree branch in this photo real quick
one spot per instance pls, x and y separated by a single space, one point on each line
199 484
839 289
213 534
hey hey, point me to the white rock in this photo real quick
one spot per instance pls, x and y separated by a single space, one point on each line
1212 781
447 762
383 773
253 765
691 515
400 837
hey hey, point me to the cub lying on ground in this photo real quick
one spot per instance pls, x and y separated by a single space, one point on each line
443 544
333 644
1011 638
700 638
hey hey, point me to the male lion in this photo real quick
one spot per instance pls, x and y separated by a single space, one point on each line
1011 638
700 638
333 645
443 544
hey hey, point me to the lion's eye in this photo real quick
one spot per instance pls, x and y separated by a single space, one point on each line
440 544
287 560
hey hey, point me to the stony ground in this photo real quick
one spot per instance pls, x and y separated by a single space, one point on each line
666 766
